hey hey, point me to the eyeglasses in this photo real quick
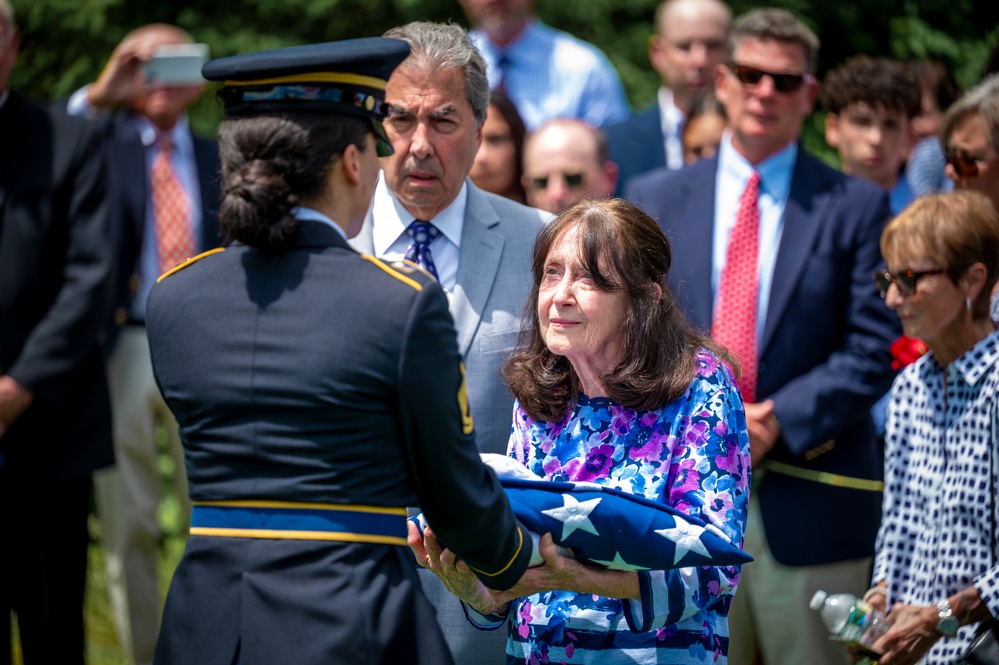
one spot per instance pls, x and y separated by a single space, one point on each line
786 83
905 281
572 180
964 165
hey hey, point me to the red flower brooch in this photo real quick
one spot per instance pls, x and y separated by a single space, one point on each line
906 350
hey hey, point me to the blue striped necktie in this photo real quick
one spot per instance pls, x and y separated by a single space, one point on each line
423 233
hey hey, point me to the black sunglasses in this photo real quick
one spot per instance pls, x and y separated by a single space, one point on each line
786 83
905 281
964 165
572 180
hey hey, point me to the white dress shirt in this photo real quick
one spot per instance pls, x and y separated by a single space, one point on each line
672 120
390 240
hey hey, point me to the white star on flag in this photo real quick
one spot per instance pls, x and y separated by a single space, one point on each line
619 564
574 515
687 538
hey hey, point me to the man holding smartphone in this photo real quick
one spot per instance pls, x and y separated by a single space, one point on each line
164 189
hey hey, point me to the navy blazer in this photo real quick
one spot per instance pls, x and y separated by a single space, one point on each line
129 180
55 267
824 356
637 145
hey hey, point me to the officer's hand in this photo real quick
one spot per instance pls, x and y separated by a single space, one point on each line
455 574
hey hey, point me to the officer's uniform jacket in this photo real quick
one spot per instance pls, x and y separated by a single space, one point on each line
318 376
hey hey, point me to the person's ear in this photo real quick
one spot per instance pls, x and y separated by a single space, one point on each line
832 130
910 139
350 163
657 48
719 74
611 174
973 280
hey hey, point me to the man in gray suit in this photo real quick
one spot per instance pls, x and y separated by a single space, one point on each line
477 244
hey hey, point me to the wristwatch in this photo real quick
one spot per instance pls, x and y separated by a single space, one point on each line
948 624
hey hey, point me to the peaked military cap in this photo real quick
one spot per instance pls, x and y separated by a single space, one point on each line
348 77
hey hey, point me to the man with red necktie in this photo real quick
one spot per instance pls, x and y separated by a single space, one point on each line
773 254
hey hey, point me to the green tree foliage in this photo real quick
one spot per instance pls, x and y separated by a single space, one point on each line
66 42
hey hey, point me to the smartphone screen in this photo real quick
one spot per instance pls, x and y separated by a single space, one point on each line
178 64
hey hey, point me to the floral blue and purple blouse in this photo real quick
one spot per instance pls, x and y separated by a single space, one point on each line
692 454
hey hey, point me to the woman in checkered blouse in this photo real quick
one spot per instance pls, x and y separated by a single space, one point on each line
936 567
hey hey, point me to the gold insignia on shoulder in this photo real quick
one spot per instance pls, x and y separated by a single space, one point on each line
193 259
467 424
411 267
405 267
394 271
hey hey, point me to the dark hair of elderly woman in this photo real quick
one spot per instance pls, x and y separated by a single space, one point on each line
625 251
940 439
613 387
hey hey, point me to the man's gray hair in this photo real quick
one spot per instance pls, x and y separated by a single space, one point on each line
437 46
982 100
770 24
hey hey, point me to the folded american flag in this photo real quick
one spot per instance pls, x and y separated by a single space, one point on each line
607 527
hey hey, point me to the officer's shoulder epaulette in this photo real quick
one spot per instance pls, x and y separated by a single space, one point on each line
193 259
404 271
409 267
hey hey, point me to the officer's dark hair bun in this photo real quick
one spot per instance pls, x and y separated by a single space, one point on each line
271 163
258 191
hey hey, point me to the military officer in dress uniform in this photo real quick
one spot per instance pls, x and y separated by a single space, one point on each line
318 391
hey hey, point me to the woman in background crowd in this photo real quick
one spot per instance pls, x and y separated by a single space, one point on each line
499 163
703 130
936 568
970 138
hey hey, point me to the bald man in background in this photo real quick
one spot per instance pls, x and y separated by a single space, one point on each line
690 42
566 160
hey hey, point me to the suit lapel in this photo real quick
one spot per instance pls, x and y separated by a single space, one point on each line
652 148
129 181
481 249
690 229
803 218
14 135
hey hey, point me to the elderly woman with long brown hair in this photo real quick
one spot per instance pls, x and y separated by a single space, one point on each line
614 387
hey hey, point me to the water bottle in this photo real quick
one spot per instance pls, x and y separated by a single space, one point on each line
849 618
